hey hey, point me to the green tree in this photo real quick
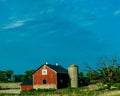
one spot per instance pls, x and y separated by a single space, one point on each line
108 71
19 78
94 76
9 75
83 80
3 76
29 74
22 77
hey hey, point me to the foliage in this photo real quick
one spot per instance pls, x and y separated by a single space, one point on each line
28 74
19 78
3 76
108 71
117 85
82 80
93 75
9 76
22 77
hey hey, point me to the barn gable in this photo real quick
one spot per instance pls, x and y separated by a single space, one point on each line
56 68
44 77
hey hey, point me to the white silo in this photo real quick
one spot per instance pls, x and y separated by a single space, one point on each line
73 74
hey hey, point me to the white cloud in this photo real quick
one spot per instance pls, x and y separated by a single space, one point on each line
117 12
2 0
15 24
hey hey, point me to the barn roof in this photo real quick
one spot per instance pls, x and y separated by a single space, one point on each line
27 82
57 68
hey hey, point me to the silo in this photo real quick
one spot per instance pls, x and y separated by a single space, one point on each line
73 74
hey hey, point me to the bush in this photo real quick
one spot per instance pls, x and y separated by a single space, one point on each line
84 81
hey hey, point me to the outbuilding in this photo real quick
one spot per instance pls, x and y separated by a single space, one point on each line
27 85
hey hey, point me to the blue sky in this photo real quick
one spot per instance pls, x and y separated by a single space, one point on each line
63 31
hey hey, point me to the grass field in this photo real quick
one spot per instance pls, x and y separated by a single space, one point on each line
10 85
9 88
91 90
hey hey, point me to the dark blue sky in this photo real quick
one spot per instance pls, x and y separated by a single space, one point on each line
63 31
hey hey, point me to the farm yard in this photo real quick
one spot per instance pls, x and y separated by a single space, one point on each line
60 48
13 89
92 84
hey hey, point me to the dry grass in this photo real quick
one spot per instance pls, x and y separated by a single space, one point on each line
11 91
9 88
10 85
111 93
91 90
94 87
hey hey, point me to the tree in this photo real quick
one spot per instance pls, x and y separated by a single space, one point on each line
83 80
19 78
3 76
22 77
29 74
92 74
9 75
108 71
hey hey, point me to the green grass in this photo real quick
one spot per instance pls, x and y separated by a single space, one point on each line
83 91
117 85
92 90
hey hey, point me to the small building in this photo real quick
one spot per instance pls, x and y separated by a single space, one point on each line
50 76
27 85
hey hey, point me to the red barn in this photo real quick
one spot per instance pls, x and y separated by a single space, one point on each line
50 76
27 85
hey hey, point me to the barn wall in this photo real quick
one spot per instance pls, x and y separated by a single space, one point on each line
26 87
63 80
46 86
51 77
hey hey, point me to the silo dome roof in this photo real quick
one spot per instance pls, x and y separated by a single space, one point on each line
73 65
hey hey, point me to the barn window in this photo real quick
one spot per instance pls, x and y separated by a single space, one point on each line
44 72
44 81
61 81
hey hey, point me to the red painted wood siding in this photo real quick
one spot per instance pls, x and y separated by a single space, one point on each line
51 77
26 87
